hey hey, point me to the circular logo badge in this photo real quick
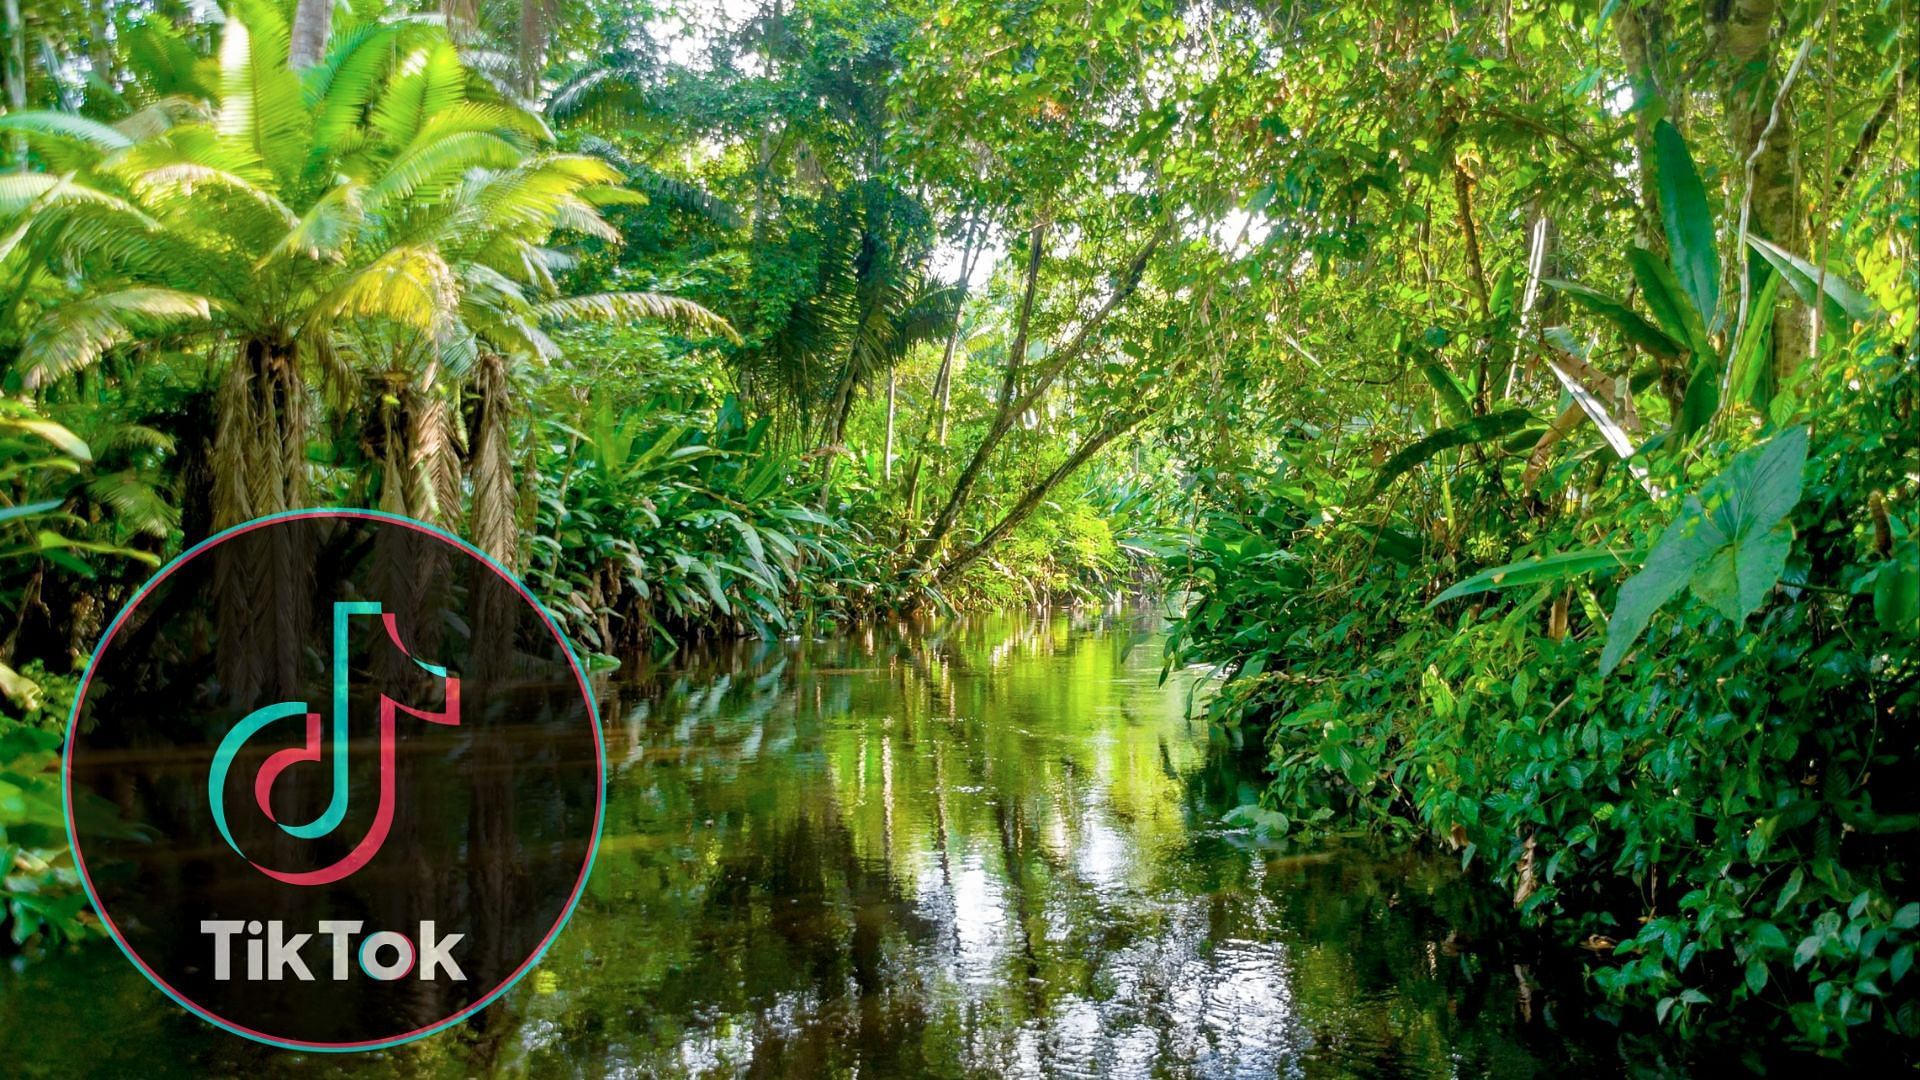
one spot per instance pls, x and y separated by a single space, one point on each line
334 780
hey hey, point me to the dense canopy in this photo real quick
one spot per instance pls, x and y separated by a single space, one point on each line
1516 400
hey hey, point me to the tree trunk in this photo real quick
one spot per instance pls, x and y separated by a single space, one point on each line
307 40
1745 32
1642 35
1902 84
886 457
1035 496
835 433
494 498
1043 379
260 468
15 71
1003 417
531 46
942 384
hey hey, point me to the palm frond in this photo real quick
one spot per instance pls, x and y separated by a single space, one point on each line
186 178
135 503
607 307
162 61
74 335
488 116
261 108
410 286
127 437
430 171
687 198
323 233
428 81
43 124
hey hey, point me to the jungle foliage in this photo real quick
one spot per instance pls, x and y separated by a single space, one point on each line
1521 394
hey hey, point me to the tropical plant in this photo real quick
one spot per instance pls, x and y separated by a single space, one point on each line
50 494
657 533
381 213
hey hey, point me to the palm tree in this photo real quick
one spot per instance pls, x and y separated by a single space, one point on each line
381 211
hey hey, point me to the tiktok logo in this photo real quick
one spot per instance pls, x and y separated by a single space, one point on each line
334 780
336 810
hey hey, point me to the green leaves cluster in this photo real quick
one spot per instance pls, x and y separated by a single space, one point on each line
653 531
1728 544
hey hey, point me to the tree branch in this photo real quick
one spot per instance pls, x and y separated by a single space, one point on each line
1010 408
1036 495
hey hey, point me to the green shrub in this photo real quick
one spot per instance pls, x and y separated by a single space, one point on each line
649 532
1723 820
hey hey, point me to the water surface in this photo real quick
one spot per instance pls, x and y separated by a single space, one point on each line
993 847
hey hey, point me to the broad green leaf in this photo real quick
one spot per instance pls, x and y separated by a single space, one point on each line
1747 519
1669 566
1538 571
1748 360
1670 304
1688 221
1907 917
1702 398
1479 429
1843 301
1729 543
50 543
70 444
1638 330
1896 592
1452 394
1736 578
1393 543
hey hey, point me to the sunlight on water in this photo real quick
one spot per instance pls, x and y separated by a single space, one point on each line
987 848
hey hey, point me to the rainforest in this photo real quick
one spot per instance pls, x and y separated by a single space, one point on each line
1130 537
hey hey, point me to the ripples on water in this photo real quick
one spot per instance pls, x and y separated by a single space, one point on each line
990 848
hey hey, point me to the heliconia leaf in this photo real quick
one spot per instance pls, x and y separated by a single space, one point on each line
1538 571
10 513
1670 304
1688 220
1729 543
1843 301
1747 362
1638 330
1479 429
1453 396
1702 398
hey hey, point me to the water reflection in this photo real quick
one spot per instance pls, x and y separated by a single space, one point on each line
991 848
987 848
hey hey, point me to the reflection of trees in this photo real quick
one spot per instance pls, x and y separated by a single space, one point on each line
954 849
912 853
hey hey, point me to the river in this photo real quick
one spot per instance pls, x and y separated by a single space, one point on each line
990 847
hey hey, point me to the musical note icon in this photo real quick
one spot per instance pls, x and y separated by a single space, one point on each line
277 763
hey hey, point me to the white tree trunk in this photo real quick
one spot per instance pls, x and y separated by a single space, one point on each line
312 24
